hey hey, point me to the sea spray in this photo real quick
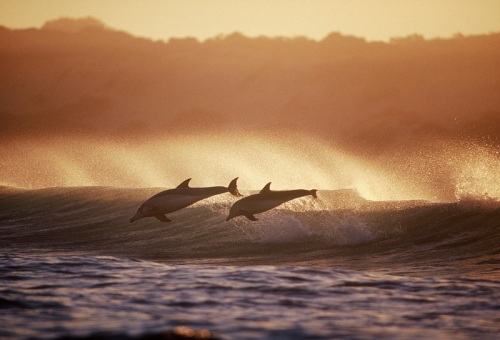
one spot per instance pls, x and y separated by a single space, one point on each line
429 170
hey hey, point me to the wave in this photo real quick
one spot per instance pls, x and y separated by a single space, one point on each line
340 229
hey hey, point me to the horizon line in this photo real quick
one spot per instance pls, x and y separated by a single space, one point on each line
224 35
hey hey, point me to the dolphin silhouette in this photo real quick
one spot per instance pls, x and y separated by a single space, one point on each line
180 197
264 201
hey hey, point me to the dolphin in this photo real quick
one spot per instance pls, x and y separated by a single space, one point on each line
264 201
180 197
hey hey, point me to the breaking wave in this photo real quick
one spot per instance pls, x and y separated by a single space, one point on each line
339 229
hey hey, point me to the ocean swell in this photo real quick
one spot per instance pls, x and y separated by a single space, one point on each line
340 229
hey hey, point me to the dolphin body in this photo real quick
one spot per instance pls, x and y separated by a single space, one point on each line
175 199
264 201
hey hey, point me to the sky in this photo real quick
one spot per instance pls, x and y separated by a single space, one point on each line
203 19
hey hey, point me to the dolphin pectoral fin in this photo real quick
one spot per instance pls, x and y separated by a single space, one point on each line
250 217
163 218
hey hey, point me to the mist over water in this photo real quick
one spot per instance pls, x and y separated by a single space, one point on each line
436 171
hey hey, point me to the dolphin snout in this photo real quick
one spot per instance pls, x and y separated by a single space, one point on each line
136 217
231 216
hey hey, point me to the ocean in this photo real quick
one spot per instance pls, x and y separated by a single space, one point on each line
336 267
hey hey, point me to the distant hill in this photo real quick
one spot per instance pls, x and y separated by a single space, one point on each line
73 25
79 76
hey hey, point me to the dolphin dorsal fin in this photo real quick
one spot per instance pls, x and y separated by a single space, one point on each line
184 184
266 188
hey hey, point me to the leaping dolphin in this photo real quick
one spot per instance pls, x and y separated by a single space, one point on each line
264 201
175 199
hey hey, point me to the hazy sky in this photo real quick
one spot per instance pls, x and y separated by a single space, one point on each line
163 19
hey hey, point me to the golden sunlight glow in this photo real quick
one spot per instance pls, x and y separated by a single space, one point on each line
298 162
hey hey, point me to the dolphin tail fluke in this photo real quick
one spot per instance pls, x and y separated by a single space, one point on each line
163 218
313 193
233 188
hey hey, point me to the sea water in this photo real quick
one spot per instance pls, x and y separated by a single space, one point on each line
72 266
